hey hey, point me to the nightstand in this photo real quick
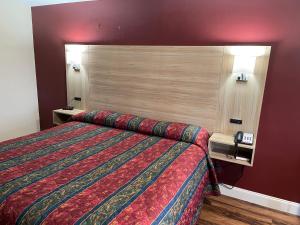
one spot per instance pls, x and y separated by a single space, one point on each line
61 116
222 147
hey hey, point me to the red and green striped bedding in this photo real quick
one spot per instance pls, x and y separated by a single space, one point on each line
106 168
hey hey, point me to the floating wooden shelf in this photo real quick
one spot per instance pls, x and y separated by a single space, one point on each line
61 116
221 147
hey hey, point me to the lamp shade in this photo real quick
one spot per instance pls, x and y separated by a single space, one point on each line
248 50
74 53
73 58
244 64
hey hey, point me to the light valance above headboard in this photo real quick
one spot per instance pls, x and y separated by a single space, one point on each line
191 84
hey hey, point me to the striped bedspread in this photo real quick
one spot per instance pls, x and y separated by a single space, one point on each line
87 173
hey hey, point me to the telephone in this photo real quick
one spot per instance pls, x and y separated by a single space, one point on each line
243 138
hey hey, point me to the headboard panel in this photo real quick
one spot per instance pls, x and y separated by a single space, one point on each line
166 83
191 84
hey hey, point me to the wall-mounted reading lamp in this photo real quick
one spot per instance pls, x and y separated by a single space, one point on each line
73 56
244 60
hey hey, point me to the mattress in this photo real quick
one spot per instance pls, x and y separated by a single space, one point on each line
106 168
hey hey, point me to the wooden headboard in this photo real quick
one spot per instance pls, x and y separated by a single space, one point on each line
191 84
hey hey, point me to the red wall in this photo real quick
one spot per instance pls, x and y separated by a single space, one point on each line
192 22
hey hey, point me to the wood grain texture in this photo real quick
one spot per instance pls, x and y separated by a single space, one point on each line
223 210
162 82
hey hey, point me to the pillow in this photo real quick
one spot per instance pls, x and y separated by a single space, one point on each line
177 131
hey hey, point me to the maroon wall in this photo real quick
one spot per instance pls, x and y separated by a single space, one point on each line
192 22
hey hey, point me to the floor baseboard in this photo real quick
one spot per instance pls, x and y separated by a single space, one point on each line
263 200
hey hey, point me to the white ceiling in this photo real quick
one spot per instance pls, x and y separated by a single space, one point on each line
50 2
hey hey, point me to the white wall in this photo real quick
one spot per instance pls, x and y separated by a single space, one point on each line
18 92
50 2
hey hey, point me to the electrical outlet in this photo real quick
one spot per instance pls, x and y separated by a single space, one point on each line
77 99
236 121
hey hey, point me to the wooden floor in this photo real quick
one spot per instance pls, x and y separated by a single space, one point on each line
224 210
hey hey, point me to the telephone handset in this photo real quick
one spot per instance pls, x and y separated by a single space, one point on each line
238 137
243 138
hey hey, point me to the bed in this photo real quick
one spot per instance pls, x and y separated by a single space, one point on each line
106 168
